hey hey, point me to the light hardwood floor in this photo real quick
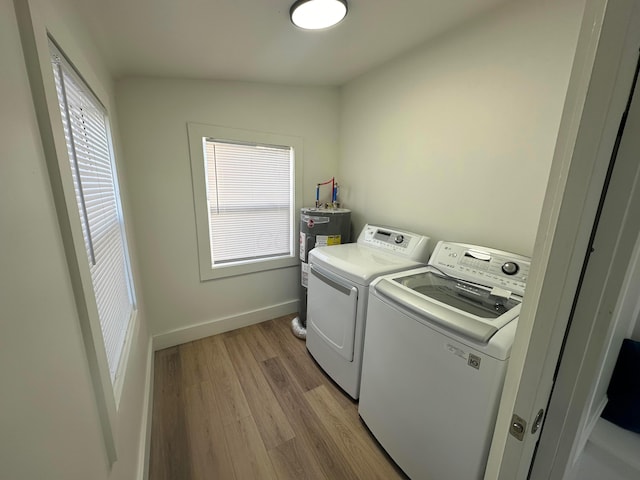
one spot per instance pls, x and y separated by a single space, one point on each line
252 404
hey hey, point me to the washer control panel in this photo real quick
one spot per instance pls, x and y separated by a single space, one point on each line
482 265
407 244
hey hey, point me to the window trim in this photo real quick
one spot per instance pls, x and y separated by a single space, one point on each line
116 372
35 39
196 132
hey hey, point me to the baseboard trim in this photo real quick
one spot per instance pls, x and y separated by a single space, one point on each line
144 448
221 325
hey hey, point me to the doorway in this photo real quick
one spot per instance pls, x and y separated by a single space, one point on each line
605 311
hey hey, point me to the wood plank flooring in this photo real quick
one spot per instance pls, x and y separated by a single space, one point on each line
253 404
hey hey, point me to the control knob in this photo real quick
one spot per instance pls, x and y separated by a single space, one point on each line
510 268
399 238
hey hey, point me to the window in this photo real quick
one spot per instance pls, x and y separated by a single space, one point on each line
245 199
89 148
248 185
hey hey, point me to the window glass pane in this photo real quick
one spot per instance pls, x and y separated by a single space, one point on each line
250 200
96 193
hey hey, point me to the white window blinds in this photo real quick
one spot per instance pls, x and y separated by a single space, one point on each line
91 161
250 200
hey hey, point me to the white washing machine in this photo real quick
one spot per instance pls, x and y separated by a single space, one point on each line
339 281
436 348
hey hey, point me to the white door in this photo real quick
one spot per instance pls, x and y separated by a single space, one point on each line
331 312
597 94
570 413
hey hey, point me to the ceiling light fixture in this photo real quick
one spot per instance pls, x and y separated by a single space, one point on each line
317 14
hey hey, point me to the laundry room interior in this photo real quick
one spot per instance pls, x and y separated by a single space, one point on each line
453 133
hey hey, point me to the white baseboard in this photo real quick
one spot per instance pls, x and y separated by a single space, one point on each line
147 409
220 325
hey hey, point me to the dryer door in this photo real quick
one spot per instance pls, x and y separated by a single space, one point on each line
331 310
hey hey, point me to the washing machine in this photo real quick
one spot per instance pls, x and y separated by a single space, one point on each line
436 350
339 279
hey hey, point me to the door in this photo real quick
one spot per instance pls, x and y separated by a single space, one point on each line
597 96
332 311
612 251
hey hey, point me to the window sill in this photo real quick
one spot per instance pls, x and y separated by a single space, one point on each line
232 270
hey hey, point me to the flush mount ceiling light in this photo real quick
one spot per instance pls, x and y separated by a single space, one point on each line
317 14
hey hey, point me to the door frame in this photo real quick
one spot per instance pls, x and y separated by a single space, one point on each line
596 98
578 398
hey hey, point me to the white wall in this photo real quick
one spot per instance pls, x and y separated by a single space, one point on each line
48 419
153 117
455 139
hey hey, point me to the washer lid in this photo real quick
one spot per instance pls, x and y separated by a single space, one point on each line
359 263
471 310
472 298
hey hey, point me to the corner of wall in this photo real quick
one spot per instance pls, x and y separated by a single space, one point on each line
144 447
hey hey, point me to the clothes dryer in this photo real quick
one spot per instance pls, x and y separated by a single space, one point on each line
338 291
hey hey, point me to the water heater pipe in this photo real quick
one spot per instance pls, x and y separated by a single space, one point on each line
334 191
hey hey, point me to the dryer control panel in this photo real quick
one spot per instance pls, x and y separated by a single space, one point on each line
482 265
400 242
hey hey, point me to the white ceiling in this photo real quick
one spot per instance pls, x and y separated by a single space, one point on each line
254 40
